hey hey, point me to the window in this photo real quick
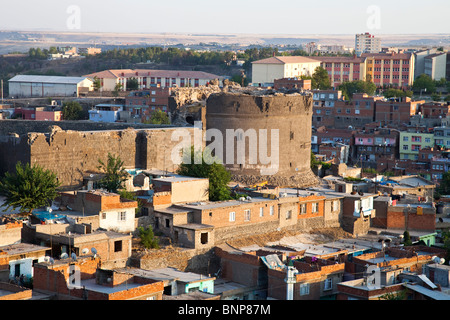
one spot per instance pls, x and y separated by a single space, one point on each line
315 208
118 246
232 216
272 210
288 214
103 215
303 208
247 215
122 216
335 205
328 284
304 289
405 139
261 212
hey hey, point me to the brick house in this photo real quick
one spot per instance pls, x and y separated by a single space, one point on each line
316 279
19 259
94 283
99 209
113 248
396 111
410 258
141 104
357 112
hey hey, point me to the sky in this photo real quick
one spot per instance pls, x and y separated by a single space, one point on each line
230 16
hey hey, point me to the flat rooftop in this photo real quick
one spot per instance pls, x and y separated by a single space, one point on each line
208 205
167 274
22 248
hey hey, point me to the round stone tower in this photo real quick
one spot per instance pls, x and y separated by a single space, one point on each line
266 135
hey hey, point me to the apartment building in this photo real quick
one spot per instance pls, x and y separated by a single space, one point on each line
396 111
343 69
410 143
370 146
390 69
141 104
357 112
150 78
419 60
367 43
323 107
435 65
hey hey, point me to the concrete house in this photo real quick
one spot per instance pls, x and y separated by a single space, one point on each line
19 259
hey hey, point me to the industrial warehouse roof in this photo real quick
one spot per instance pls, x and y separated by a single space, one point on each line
47 79
129 73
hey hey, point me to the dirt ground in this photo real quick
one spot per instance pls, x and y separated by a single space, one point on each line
272 238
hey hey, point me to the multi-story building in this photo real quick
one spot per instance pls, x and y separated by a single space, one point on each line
371 146
390 69
357 112
396 110
150 78
143 103
419 60
412 142
323 107
367 43
343 69
442 137
435 65
265 71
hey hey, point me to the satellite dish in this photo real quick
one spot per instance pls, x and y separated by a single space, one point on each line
85 251
64 256
52 261
73 256
46 258
94 251
442 261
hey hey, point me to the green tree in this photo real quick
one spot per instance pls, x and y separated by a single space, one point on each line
29 188
406 238
147 237
320 79
424 82
444 185
357 86
159 117
132 84
394 93
115 174
124 194
118 87
436 97
97 84
72 110
209 167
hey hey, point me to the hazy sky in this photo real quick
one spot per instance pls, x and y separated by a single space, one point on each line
229 16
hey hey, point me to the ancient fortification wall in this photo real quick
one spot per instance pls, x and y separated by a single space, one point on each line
290 114
74 154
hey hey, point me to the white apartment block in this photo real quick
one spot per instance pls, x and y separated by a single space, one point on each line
367 43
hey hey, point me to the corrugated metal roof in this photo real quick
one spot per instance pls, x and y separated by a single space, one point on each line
47 79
